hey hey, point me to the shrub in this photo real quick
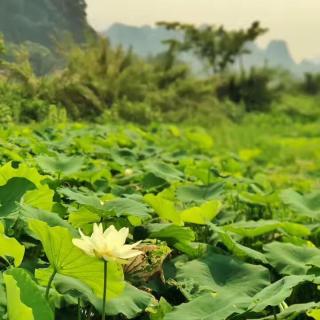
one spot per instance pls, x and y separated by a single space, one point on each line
256 89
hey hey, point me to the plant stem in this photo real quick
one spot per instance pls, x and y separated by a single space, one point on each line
79 309
104 290
49 283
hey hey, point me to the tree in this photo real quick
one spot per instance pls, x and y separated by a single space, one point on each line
216 46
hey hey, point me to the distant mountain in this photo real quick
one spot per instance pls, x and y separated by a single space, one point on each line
278 54
144 40
148 40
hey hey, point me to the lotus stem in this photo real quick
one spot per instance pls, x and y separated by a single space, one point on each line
104 290
79 309
50 283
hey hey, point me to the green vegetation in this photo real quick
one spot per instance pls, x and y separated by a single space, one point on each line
38 26
216 46
40 21
216 174
98 82
228 219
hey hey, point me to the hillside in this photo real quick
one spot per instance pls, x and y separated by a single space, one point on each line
40 21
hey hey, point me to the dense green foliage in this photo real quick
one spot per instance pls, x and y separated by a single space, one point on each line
39 21
39 26
96 81
101 82
229 220
227 211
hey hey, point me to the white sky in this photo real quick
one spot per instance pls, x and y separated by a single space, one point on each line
296 21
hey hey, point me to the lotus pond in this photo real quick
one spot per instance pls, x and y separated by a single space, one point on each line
229 226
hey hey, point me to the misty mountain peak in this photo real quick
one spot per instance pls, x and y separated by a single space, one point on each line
147 40
277 53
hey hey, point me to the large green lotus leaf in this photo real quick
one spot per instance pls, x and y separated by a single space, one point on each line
17 310
236 248
315 314
221 306
164 208
11 194
200 171
289 259
25 300
203 214
315 262
41 198
86 199
293 311
307 205
8 153
258 199
98 171
115 207
69 260
124 156
191 249
60 164
209 306
295 229
125 207
194 193
23 171
224 275
164 171
277 292
83 217
170 232
253 229
10 247
167 211
130 303
169 193
151 182
51 218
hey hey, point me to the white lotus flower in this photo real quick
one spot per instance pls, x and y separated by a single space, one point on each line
108 245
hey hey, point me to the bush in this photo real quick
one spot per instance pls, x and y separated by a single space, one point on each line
300 107
311 84
138 112
5 115
256 89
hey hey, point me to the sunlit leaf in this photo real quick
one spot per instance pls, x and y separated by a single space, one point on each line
25 300
203 214
68 260
60 164
23 171
308 205
164 208
10 247
41 198
170 232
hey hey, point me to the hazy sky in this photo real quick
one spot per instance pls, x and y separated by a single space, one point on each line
296 21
